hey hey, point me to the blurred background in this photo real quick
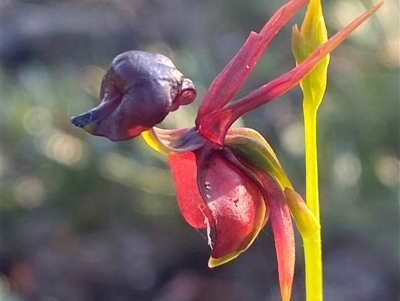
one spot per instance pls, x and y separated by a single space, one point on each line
86 219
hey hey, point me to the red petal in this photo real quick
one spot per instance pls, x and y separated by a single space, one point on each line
217 127
232 77
237 206
283 232
191 204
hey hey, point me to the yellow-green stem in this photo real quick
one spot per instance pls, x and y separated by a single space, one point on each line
312 243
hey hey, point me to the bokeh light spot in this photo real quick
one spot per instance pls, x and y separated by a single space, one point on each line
37 121
65 149
292 139
123 170
347 169
387 169
346 11
30 192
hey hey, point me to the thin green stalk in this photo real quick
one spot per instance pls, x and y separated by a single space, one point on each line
311 35
312 243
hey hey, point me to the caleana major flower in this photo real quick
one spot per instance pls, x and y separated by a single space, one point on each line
228 180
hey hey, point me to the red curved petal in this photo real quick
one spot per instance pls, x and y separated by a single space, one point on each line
217 127
283 232
232 77
230 80
236 204
191 204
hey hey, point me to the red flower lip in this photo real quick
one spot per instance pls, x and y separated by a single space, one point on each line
215 192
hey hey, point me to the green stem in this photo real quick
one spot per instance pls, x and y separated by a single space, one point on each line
312 243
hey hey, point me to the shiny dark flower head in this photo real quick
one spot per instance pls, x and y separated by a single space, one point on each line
137 92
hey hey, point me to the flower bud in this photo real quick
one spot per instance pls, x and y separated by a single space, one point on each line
312 34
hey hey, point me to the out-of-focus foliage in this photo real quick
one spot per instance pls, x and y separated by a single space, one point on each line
83 218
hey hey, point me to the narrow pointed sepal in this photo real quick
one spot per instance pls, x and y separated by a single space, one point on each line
232 77
283 232
231 112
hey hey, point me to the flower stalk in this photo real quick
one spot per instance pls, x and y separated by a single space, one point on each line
311 36
312 243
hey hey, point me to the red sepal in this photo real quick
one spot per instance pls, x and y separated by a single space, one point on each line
283 232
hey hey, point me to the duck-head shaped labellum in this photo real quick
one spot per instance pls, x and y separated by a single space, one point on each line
137 92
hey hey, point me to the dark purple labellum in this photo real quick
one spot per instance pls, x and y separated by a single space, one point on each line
137 92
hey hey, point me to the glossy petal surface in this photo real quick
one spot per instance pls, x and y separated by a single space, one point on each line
137 92
235 202
191 204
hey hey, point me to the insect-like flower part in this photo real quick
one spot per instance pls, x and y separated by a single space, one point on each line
228 181
137 92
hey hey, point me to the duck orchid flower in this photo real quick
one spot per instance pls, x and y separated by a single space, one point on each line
228 180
